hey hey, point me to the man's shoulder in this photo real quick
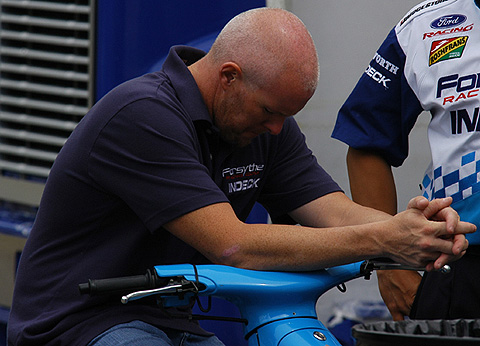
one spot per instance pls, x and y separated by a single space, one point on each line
423 10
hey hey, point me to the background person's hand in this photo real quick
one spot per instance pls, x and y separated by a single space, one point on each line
398 289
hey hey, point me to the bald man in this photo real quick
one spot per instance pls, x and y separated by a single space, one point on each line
166 168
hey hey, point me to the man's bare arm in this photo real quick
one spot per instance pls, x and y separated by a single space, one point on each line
408 237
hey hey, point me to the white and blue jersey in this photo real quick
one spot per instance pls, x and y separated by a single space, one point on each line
429 61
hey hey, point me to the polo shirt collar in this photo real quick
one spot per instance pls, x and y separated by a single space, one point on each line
175 67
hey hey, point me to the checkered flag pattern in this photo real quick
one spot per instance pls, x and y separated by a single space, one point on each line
459 184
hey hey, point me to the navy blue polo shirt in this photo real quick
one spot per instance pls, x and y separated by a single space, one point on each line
144 155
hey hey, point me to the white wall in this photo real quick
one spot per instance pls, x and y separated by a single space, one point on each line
347 34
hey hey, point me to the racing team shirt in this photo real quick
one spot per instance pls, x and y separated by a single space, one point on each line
429 61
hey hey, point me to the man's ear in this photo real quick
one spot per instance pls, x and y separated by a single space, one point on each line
229 73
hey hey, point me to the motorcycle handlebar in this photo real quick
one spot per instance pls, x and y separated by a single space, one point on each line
137 282
151 281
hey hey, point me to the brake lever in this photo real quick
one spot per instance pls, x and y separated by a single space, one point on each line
142 294
175 289
392 266
369 266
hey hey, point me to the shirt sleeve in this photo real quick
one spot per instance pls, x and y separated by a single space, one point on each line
382 108
295 177
148 156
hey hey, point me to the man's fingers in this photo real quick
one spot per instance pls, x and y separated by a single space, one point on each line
437 209
452 246
461 227
449 216
438 205
442 260
418 202
429 208
446 251
460 244
443 240
430 267
464 227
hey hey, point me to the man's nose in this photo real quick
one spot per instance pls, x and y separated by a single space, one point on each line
275 125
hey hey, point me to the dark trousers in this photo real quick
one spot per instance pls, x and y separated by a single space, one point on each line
451 296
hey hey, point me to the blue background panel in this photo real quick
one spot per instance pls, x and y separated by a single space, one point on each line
133 35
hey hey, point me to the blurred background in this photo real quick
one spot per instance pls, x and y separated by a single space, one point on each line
57 57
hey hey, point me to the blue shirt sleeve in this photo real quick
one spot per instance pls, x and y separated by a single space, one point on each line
295 178
382 108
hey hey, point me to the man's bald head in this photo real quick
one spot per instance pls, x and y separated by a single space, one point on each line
268 43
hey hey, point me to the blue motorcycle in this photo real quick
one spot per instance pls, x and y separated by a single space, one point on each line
256 294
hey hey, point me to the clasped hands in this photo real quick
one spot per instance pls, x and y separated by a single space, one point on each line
442 238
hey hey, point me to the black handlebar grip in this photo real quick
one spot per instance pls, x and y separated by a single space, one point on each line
137 282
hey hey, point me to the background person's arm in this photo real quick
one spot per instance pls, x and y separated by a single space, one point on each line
372 184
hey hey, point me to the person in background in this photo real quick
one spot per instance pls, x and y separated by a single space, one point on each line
430 61
166 168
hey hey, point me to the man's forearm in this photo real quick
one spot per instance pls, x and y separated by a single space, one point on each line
408 237
371 181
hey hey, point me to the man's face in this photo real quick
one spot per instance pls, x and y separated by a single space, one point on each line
243 113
